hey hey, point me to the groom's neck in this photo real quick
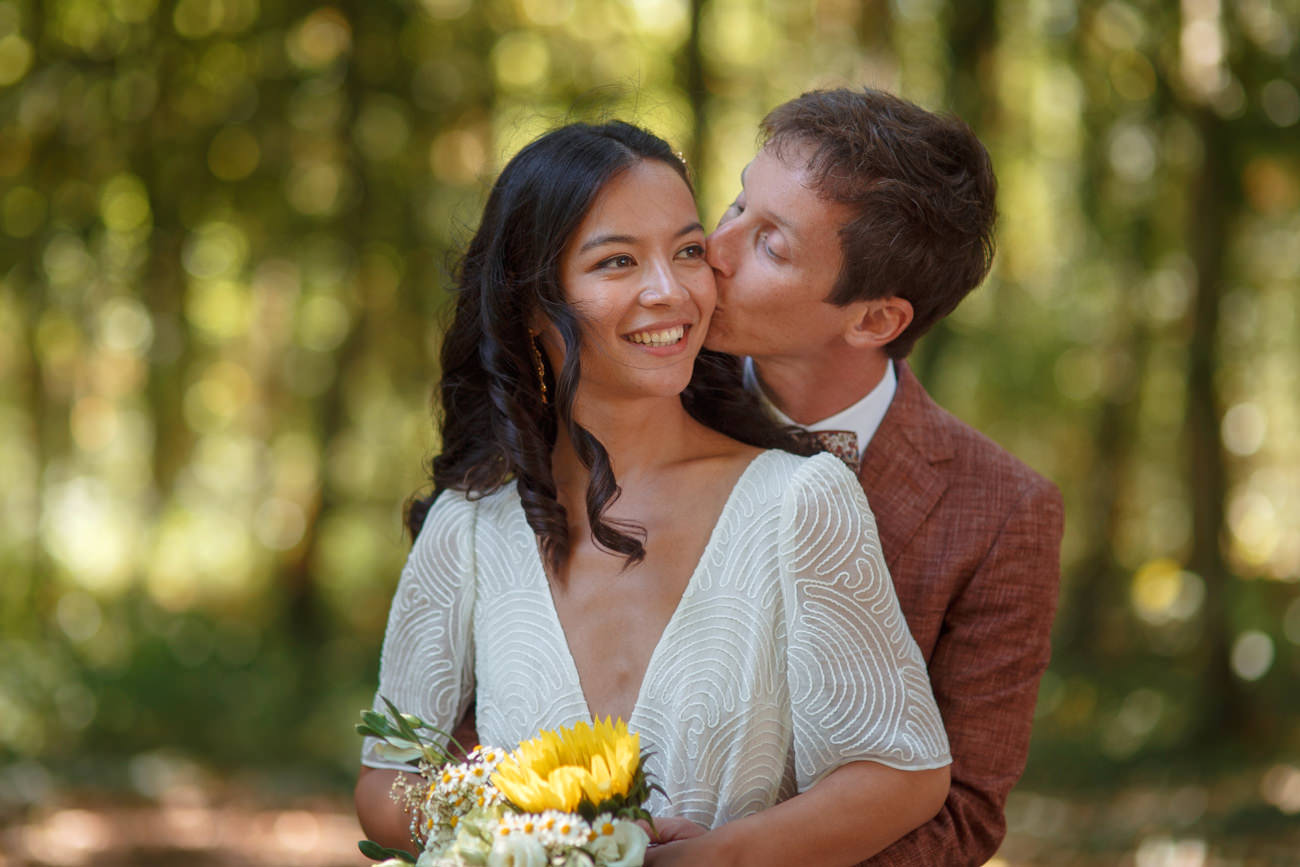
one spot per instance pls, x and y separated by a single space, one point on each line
811 389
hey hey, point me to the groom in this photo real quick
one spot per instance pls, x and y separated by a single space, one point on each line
862 221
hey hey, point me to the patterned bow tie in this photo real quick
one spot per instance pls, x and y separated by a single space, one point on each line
841 443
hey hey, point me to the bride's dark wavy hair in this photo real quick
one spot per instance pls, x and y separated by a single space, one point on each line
495 424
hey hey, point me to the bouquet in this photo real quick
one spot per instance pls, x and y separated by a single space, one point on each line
570 797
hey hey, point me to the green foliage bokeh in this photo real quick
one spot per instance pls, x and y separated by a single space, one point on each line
226 230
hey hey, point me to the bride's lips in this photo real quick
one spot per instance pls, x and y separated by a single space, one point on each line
660 338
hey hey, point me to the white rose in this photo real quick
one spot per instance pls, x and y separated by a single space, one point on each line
517 850
625 847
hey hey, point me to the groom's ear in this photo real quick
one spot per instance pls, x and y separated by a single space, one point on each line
878 321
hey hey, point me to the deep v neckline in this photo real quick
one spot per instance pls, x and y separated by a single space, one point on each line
538 573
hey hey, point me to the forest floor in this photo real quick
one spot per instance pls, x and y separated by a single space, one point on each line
1188 826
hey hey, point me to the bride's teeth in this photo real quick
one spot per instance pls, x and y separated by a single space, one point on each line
666 337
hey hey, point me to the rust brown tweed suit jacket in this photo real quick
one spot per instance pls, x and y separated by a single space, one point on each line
972 538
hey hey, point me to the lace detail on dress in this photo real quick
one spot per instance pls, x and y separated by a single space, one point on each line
787 657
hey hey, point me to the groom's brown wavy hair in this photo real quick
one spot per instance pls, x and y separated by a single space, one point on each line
921 189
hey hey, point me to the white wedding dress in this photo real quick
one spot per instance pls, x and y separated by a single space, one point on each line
787 657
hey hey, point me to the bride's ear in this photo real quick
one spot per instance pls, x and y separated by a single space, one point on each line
537 322
876 322
542 333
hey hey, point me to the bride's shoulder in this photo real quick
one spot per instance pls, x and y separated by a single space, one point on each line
454 509
799 482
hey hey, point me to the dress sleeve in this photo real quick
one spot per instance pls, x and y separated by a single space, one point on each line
858 685
427 664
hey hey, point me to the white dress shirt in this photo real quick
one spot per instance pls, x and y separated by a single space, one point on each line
863 417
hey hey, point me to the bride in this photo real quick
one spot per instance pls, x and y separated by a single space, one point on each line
613 533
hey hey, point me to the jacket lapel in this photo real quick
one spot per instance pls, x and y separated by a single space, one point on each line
898 470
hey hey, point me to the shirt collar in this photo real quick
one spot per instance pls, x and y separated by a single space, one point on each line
863 417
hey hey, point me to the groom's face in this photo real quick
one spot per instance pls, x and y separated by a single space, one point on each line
776 256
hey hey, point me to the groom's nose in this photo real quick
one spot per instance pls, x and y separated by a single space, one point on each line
719 248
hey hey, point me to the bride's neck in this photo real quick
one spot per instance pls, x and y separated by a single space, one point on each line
640 437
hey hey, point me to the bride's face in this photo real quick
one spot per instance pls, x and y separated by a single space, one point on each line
635 274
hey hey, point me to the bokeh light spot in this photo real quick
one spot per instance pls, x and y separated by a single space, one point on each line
1252 655
1133 152
323 323
234 154
1166 852
458 156
133 11
1243 429
15 58
211 403
124 203
1281 788
738 33
313 187
220 309
194 19
1281 102
521 60
546 13
320 38
1270 186
279 524
669 19
1256 529
90 531
1119 25
1132 76
1163 592
125 326
78 615
93 422
215 250
67 262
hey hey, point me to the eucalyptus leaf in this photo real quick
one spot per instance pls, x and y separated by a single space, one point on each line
375 852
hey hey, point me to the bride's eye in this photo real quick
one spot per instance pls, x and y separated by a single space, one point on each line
692 251
622 260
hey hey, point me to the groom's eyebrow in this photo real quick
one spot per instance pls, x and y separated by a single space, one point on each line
601 240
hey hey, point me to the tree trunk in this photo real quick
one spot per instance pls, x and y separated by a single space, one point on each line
970 31
692 65
1224 705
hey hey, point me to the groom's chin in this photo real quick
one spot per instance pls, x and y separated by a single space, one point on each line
718 339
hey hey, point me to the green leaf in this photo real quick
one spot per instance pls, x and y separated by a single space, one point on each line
374 718
375 852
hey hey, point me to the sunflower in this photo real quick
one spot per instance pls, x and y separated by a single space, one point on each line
575 769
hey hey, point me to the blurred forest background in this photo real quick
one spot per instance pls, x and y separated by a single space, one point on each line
225 232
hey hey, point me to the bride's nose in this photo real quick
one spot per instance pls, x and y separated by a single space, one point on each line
662 287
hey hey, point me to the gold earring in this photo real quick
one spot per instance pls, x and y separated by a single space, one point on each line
537 363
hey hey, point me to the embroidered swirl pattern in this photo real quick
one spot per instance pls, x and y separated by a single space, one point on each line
787 657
